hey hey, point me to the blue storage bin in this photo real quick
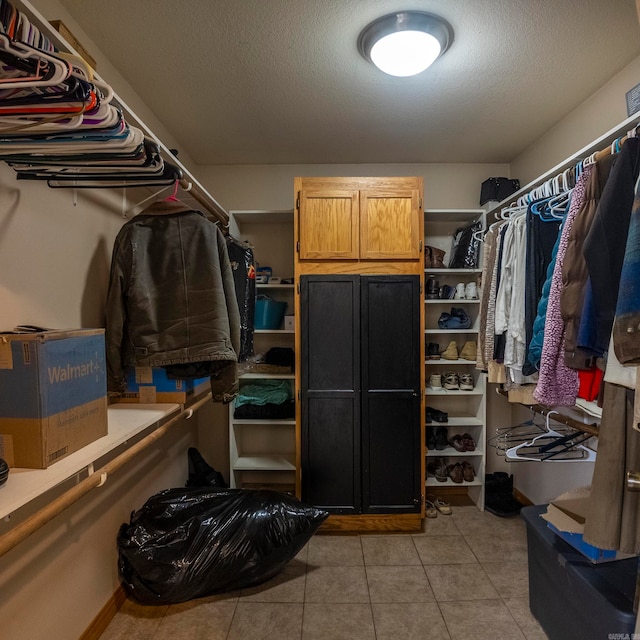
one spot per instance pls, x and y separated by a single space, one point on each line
269 313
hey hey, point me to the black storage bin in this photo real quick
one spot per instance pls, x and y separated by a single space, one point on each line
572 597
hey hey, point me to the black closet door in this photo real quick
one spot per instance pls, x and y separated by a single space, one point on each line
390 326
330 392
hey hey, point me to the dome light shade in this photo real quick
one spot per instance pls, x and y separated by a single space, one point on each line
405 43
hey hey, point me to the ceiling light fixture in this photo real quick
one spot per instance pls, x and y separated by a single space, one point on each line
405 43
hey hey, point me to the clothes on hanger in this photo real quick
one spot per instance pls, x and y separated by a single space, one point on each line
171 300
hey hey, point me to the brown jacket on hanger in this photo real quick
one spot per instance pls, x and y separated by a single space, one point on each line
574 269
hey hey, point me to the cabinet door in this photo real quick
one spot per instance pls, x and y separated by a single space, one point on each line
328 224
390 224
330 392
390 324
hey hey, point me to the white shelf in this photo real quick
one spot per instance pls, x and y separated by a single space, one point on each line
271 462
458 422
432 482
436 331
451 301
454 392
275 286
262 217
274 331
444 361
265 376
124 422
450 452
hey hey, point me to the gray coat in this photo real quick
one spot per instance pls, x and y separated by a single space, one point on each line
172 300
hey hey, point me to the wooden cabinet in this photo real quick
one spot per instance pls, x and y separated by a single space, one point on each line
360 393
359 218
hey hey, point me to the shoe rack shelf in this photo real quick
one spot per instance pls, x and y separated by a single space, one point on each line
262 452
466 409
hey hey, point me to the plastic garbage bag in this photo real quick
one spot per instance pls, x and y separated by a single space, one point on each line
188 543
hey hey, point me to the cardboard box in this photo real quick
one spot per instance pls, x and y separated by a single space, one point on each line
64 31
565 516
53 398
149 385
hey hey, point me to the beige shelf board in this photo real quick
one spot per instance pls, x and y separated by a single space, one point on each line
267 462
451 301
432 482
452 271
444 362
124 422
264 421
447 331
450 452
454 392
459 421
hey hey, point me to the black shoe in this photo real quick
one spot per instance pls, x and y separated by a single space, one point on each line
433 351
442 438
431 439
436 415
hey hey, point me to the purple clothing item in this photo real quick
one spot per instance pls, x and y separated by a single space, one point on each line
557 383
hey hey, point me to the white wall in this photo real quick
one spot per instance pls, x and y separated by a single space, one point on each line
446 186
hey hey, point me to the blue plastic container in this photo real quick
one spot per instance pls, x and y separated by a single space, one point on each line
269 313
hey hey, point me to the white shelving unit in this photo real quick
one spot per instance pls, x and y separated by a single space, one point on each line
466 409
262 452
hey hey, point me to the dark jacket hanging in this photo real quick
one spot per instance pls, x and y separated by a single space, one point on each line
171 300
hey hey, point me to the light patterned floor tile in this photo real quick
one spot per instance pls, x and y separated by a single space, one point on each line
337 584
338 622
460 582
198 619
444 550
335 551
399 584
511 579
480 620
266 621
389 550
409 621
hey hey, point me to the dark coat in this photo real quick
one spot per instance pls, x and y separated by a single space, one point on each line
172 299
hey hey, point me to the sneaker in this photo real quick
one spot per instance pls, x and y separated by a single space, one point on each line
451 352
435 381
460 291
466 382
471 291
433 351
451 381
469 351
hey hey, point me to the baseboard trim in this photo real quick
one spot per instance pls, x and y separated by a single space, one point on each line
409 522
521 498
107 613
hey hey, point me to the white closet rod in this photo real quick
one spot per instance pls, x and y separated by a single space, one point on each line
597 145
197 191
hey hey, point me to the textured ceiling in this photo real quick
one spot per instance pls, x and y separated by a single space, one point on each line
281 81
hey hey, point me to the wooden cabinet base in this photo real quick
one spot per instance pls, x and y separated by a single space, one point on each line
407 522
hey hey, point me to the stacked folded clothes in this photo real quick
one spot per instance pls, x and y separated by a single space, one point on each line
265 400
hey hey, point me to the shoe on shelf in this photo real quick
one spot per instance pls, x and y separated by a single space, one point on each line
460 319
454 471
458 443
451 381
451 352
447 292
469 442
438 469
468 473
433 288
431 438
469 351
437 258
435 382
466 382
460 291
435 415
471 291
433 351
443 507
442 438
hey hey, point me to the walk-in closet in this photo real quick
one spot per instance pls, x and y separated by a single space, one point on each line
298 344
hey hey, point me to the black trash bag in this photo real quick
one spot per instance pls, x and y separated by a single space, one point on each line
189 543
201 474
244 280
466 247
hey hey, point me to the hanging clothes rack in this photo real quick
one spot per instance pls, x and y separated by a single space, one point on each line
602 146
25 19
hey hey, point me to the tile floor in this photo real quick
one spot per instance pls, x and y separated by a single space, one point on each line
464 578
